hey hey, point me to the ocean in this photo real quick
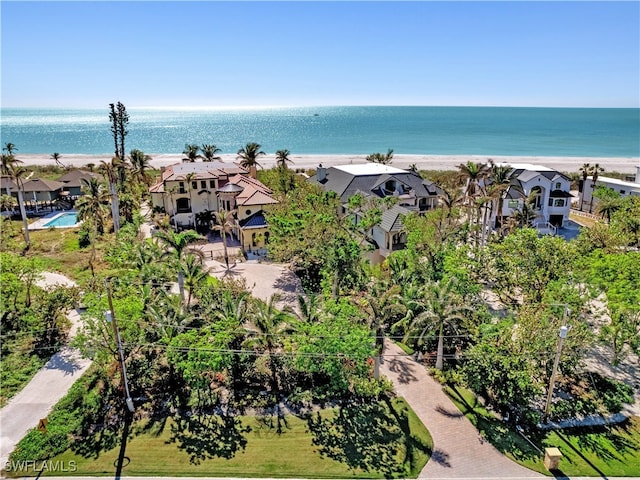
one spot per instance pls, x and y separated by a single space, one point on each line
510 131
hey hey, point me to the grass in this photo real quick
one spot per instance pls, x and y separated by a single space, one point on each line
594 451
365 441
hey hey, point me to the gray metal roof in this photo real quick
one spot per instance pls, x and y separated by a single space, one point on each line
392 219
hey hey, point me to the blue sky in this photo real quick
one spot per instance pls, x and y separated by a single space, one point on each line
88 54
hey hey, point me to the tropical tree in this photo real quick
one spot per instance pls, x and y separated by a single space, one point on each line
56 158
110 171
20 175
383 158
209 152
596 170
92 208
585 171
282 158
264 333
190 153
248 156
119 121
225 224
474 176
177 245
140 166
500 182
8 162
609 202
443 310
194 274
10 148
7 203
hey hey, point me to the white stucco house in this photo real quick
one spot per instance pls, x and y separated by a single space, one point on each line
549 189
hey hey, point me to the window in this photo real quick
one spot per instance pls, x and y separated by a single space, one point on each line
248 212
212 184
622 192
558 185
182 205
203 184
181 188
559 202
194 185
513 203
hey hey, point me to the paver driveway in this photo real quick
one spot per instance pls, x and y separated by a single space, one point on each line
458 451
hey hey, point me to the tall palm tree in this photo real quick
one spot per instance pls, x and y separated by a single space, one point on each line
248 156
110 171
190 153
500 181
10 148
282 158
176 246
19 175
474 175
585 170
225 223
92 208
595 173
209 152
56 158
265 331
383 158
140 166
444 310
8 162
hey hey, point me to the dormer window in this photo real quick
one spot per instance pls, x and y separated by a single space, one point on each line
558 185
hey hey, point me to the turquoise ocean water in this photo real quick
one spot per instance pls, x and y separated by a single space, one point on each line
573 132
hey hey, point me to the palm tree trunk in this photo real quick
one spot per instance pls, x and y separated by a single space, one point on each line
181 285
25 222
224 244
440 350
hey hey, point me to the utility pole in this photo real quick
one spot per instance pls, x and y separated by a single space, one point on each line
563 334
111 318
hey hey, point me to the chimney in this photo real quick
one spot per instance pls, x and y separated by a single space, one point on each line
321 173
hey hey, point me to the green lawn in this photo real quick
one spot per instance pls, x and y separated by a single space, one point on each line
598 451
367 441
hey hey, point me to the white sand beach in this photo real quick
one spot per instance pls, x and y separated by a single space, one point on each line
423 162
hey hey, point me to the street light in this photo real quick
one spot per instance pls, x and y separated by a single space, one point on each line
563 334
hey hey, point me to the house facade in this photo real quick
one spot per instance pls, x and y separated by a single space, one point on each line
623 187
411 192
187 190
548 190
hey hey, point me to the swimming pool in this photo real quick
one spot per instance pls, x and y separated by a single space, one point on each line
69 219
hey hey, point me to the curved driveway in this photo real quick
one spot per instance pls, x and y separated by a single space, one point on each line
458 451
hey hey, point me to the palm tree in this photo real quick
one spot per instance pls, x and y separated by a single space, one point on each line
595 173
585 170
264 333
194 274
443 311
248 156
56 158
500 178
225 223
309 308
92 208
282 158
9 148
177 245
110 171
473 175
20 175
140 166
8 162
209 152
383 158
191 153
7 202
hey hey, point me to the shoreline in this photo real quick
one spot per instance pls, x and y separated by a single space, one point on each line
311 161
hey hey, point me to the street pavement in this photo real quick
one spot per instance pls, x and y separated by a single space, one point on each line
46 388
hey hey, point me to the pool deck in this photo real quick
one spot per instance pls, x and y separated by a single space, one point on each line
40 223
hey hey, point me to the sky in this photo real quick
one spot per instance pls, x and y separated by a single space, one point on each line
221 54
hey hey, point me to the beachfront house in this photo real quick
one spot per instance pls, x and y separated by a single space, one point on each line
187 192
623 187
38 194
547 190
411 192
73 182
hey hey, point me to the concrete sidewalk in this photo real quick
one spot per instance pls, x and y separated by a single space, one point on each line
458 450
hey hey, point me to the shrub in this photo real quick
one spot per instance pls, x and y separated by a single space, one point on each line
84 237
